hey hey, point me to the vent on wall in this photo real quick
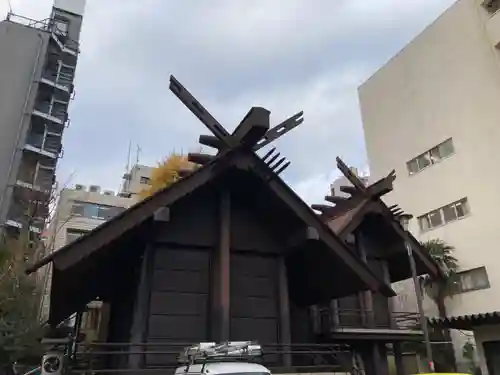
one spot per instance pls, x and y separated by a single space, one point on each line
79 187
109 192
94 189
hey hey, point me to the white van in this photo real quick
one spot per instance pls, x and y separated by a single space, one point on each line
229 358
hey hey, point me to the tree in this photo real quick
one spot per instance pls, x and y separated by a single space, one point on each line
20 329
166 173
438 291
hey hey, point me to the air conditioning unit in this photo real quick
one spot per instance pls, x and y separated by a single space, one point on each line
94 189
109 192
52 363
79 187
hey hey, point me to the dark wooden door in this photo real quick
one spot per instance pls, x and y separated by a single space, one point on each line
492 354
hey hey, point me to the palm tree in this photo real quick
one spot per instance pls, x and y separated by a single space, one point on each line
439 290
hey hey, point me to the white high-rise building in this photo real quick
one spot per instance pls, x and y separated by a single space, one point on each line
432 113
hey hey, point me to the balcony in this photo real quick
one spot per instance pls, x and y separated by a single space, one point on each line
35 175
19 216
366 323
493 28
52 110
45 144
58 34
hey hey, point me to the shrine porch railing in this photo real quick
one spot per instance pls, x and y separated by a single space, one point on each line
108 357
327 320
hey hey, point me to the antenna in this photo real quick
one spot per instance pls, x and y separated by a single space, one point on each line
138 151
127 168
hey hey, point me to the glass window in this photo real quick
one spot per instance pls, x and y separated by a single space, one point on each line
474 279
435 218
424 223
461 208
73 234
91 210
412 166
449 213
424 160
435 155
446 148
77 209
145 180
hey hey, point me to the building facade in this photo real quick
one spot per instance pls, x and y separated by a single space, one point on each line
37 67
136 180
79 210
431 113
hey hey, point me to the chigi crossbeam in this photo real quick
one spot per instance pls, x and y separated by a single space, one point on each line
253 132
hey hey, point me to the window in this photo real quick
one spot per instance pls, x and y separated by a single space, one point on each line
95 211
474 279
444 215
433 156
145 180
73 234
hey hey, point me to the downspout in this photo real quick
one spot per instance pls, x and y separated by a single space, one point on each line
21 120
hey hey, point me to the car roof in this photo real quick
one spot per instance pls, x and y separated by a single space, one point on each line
223 368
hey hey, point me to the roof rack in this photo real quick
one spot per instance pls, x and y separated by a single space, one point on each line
213 352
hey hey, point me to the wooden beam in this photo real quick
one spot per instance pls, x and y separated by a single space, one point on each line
201 159
199 111
279 130
162 214
211 141
351 190
222 305
335 199
252 128
302 236
184 172
284 310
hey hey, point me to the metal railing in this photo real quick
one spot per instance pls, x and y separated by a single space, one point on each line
58 111
61 78
107 357
49 143
48 25
326 319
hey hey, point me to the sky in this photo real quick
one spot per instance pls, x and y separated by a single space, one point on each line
284 55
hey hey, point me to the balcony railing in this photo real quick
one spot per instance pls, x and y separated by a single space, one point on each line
327 320
36 177
60 79
53 110
48 25
45 142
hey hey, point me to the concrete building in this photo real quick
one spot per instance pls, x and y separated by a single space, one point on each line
78 211
136 180
37 68
432 114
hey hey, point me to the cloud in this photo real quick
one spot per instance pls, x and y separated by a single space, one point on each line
286 55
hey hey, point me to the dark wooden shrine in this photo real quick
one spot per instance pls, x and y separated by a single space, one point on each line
230 252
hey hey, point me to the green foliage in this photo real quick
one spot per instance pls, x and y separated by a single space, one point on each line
442 253
19 326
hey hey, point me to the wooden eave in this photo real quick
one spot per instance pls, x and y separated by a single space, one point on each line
110 231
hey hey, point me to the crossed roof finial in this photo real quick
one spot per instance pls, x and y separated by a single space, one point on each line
253 132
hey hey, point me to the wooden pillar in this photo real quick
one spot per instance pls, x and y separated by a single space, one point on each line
221 276
138 332
284 309
380 358
374 355
398 358
390 302
367 296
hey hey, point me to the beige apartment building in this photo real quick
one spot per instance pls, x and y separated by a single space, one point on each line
432 113
79 210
